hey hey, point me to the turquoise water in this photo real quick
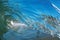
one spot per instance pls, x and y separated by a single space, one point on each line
31 9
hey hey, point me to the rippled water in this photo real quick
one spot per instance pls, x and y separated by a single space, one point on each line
35 14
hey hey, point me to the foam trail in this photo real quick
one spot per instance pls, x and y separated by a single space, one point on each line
57 9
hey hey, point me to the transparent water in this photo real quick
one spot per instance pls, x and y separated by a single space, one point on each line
33 12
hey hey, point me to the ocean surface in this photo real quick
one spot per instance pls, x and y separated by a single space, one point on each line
30 9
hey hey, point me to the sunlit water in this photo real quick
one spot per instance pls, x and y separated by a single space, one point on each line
32 11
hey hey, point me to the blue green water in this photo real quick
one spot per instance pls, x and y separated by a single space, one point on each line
30 8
